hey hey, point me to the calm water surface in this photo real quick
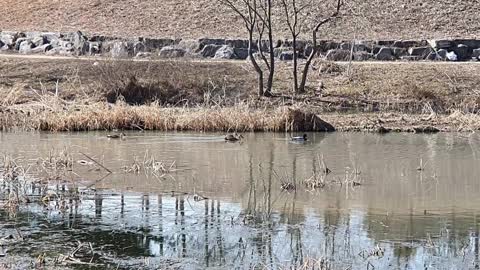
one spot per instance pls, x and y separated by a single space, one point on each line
399 217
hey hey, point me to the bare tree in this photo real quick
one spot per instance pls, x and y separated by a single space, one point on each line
295 19
265 19
315 30
248 11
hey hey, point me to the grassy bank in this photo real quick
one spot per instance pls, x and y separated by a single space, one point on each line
72 95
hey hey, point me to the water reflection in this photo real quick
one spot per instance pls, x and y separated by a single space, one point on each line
398 218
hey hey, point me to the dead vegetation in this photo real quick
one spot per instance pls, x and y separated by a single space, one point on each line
72 96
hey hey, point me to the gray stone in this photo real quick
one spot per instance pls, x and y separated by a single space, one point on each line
60 51
384 54
362 56
79 40
471 43
94 48
409 43
7 39
143 55
38 41
399 51
139 47
278 51
442 53
25 47
4 48
209 41
1 44
338 55
440 44
225 52
189 45
476 53
345 46
41 49
51 37
421 52
119 49
19 41
210 50
171 52
452 56
237 43
154 44
463 52
241 53
286 56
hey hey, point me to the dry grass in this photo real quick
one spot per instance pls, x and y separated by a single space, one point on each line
201 18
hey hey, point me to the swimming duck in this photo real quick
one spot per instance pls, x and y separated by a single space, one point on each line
233 137
116 136
300 138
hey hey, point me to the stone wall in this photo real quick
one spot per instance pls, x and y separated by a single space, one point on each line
76 43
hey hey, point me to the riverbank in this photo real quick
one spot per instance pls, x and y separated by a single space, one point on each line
96 94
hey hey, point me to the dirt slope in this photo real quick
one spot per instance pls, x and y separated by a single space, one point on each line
375 19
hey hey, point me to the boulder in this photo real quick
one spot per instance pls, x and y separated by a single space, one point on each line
463 52
7 39
41 49
409 43
25 47
440 44
442 54
19 41
80 42
237 43
171 52
154 44
119 49
38 41
94 47
399 52
299 120
60 51
210 50
471 43
2 44
189 45
51 37
225 52
241 53
338 55
139 47
286 56
452 56
421 52
384 54
209 41
362 56
278 51
476 54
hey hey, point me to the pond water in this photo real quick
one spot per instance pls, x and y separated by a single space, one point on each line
192 201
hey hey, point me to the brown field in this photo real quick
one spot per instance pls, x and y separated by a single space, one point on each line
72 94
377 19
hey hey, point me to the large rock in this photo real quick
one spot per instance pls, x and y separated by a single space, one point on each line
191 46
237 43
476 54
155 44
80 43
139 47
94 47
399 52
384 54
38 41
210 50
463 52
2 44
7 40
60 51
421 52
299 120
209 41
409 43
19 41
338 55
440 44
362 56
225 52
171 52
241 53
41 49
119 49
25 47
286 56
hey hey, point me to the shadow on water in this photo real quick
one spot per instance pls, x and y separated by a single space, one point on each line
225 207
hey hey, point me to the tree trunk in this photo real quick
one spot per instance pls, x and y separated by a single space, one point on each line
268 91
255 64
308 63
296 90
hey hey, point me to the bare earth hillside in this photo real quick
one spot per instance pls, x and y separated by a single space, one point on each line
375 19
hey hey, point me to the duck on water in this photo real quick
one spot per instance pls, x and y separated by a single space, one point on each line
116 136
233 137
300 138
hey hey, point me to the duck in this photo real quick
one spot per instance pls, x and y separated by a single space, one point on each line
233 137
116 136
300 138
